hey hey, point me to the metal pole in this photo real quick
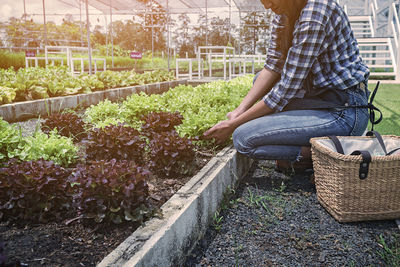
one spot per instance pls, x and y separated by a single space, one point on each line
80 22
106 35
24 11
240 28
112 38
152 37
206 23
88 37
168 35
44 24
254 34
230 3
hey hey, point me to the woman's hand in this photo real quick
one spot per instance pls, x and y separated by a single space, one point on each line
224 129
220 132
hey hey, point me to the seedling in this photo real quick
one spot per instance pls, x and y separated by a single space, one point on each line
217 221
390 253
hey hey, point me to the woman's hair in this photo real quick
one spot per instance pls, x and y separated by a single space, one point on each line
285 31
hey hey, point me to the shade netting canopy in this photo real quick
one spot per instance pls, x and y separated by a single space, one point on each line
173 6
249 5
105 5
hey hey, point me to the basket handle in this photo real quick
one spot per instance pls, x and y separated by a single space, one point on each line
364 165
336 142
379 138
377 135
366 156
392 152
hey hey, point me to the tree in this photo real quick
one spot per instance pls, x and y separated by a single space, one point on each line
219 31
154 26
129 35
21 33
254 32
98 37
182 37
199 32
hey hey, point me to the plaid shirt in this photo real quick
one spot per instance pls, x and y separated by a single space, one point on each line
323 44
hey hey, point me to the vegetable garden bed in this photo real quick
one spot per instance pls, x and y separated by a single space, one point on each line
115 164
38 91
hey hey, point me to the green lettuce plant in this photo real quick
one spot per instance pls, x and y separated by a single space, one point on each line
104 113
51 147
10 140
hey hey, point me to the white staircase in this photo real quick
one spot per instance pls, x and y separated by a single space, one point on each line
379 56
376 26
362 26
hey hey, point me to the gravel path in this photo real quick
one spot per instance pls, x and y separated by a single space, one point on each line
28 127
276 220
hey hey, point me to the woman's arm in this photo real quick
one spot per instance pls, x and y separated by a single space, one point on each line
263 84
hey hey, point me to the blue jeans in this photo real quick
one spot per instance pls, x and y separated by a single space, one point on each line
281 135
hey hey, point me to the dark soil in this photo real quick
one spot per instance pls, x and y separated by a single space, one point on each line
275 220
76 244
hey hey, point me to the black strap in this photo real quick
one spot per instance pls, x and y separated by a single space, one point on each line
372 108
379 138
338 145
364 165
381 142
366 156
391 152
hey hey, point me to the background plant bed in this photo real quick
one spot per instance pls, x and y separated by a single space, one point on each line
30 109
76 244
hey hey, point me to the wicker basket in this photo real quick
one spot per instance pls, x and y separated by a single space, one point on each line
347 197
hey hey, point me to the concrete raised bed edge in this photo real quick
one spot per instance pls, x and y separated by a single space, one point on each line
31 109
186 216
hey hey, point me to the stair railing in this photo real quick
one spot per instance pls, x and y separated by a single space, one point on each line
343 6
394 24
372 11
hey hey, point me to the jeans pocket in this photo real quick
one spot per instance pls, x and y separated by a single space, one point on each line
361 122
359 98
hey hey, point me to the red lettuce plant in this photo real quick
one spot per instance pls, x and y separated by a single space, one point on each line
111 191
115 142
160 122
34 191
67 124
171 154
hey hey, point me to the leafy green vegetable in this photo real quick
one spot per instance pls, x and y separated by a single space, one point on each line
10 139
141 104
201 106
7 95
52 147
104 113
37 83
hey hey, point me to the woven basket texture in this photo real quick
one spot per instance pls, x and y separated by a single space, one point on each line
348 198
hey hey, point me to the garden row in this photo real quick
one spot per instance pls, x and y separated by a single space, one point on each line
40 83
95 166
120 59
